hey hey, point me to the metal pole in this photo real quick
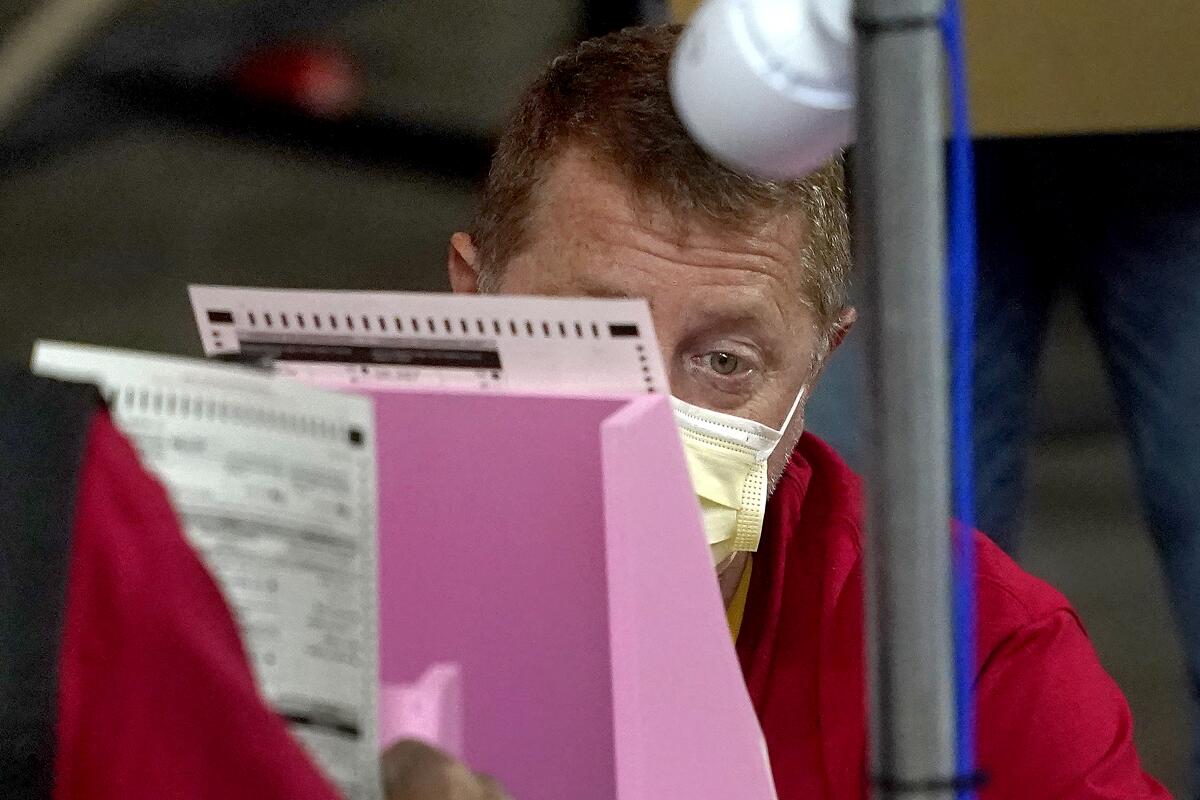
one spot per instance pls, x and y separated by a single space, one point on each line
900 252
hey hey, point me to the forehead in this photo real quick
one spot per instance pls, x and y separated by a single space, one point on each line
590 229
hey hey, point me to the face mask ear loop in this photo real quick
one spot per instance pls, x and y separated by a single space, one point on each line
788 419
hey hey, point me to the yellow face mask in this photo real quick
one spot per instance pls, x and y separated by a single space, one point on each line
727 458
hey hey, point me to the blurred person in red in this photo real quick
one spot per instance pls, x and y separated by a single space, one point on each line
122 674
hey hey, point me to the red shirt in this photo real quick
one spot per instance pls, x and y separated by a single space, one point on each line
1052 723
157 699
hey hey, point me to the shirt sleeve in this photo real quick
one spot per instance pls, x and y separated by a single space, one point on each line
157 698
1052 722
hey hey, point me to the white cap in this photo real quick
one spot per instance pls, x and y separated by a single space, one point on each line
767 86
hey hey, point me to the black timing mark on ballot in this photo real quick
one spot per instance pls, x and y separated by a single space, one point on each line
617 331
461 358
220 317
329 724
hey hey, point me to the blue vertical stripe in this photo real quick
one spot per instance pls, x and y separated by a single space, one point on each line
960 293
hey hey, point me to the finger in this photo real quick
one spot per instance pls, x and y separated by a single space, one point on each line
490 788
413 770
404 757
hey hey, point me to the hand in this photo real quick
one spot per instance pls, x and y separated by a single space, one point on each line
413 770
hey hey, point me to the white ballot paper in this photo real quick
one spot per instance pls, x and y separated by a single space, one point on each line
436 340
275 483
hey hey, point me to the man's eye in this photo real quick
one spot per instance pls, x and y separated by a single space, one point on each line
724 363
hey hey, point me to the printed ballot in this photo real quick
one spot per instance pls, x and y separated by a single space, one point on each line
482 343
486 536
275 486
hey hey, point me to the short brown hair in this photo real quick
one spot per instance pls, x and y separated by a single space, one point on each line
610 96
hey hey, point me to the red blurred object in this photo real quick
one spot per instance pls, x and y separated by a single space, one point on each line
317 78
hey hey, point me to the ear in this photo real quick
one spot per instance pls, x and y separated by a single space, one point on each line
462 262
841 327
837 334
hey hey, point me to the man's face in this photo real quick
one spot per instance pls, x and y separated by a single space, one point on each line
735 331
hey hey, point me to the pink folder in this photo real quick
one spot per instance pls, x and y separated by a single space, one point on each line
551 548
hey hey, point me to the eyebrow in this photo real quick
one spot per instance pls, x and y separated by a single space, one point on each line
754 317
744 315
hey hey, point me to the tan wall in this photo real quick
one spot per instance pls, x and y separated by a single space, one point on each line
1079 66
1067 66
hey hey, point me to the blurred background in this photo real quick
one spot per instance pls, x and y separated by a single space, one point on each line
338 143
